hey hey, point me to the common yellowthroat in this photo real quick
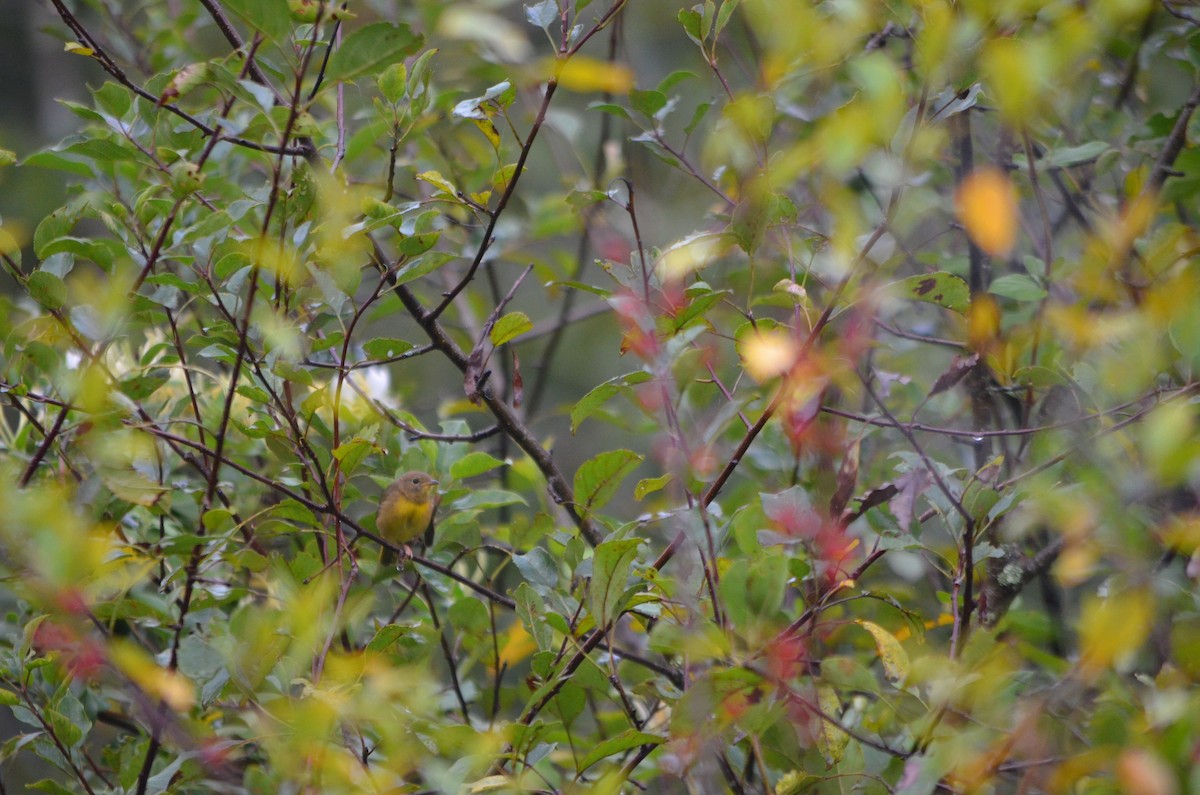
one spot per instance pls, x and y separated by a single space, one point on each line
406 511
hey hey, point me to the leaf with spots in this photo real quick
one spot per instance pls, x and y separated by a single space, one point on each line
941 288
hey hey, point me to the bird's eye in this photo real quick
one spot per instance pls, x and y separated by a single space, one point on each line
416 481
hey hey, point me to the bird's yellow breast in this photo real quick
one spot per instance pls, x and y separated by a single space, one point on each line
401 520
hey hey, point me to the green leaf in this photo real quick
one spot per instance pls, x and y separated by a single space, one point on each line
7 157
691 24
586 198
674 79
539 570
255 393
65 729
292 511
297 375
612 109
47 289
723 15
386 347
509 327
392 82
51 786
626 740
114 99
217 520
647 103
1018 287
371 48
610 569
160 781
55 225
132 486
489 498
1065 157
8 698
847 673
531 610
413 245
941 288
426 263
352 453
598 479
648 486
701 301
475 463
230 264
590 403
468 615
269 17
56 161
143 386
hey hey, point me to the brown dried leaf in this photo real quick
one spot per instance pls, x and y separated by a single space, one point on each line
518 383
473 375
847 478
956 372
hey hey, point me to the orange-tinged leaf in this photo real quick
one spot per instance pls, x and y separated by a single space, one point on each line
1143 772
987 207
943 620
584 74
768 354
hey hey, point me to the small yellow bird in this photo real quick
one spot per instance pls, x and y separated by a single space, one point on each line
406 511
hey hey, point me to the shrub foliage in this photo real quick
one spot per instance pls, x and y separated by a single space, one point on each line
809 385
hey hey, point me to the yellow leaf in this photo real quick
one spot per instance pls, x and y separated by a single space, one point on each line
831 740
1182 532
438 181
489 130
584 74
891 653
792 783
517 646
688 255
987 207
768 354
78 49
983 322
175 689
1112 628
488 784
1017 73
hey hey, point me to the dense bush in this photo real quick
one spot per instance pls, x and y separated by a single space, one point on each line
810 387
